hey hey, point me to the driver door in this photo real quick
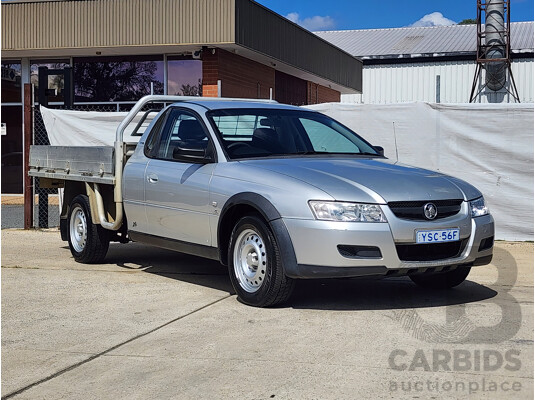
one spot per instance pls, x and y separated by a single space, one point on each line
177 190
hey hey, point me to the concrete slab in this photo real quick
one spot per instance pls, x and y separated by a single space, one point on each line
155 324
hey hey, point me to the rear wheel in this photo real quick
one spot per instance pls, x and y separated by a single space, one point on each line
88 242
445 280
255 266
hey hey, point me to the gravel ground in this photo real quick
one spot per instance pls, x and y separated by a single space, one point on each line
150 323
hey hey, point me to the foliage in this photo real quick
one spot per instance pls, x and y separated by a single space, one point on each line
115 81
468 21
191 90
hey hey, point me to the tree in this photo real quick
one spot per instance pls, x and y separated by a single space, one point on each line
191 90
115 81
468 21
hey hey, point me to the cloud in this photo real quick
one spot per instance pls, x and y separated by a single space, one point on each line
316 23
433 19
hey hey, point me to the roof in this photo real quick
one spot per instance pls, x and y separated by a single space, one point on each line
213 104
433 41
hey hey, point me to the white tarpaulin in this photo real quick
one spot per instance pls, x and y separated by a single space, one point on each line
85 128
487 145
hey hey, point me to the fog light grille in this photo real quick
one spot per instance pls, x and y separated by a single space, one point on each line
349 251
486 243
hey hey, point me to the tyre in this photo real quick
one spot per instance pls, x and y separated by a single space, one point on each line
255 265
88 242
445 280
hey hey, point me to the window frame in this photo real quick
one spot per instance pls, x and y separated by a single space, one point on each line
219 136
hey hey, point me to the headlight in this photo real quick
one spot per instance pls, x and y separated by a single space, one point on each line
348 212
478 207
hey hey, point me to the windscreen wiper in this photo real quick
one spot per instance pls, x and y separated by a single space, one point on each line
307 152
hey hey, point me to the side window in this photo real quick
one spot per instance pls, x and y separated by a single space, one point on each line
180 130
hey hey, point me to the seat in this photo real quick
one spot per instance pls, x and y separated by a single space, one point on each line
191 134
267 139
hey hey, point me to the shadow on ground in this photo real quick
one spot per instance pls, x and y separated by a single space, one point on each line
325 294
382 294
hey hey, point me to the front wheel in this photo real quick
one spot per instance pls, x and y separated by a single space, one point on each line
88 242
444 280
255 266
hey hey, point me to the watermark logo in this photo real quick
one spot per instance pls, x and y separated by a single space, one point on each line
456 387
458 360
459 327
460 372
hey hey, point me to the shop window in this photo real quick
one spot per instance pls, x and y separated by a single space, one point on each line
54 81
184 76
11 85
103 79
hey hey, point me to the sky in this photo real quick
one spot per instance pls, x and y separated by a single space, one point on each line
318 15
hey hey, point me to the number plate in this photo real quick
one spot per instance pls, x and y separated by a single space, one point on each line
438 236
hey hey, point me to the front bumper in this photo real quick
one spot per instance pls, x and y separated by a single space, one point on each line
316 246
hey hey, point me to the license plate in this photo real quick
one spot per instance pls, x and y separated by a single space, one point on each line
437 236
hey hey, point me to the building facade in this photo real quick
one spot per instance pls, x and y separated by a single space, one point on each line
121 50
431 64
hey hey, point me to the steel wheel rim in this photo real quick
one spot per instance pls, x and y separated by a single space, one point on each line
250 260
78 229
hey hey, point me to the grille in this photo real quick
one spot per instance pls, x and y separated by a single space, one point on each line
359 251
430 251
414 210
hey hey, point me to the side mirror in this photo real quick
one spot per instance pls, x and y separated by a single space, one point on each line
380 150
195 156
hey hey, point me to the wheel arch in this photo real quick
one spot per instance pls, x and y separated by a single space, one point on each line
73 189
70 191
246 203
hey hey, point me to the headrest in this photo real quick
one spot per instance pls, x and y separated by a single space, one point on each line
267 134
190 129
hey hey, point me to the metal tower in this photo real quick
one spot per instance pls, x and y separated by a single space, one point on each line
494 48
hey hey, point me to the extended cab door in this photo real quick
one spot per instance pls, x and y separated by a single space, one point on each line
177 179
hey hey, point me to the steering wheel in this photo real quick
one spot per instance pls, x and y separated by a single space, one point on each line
236 145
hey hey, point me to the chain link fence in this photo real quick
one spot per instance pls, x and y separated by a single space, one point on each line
48 201
46 206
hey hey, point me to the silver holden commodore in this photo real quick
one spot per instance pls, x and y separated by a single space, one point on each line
279 193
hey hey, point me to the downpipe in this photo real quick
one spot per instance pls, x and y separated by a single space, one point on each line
112 226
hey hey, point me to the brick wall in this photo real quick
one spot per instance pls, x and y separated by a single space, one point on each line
320 94
240 77
210 73
290 89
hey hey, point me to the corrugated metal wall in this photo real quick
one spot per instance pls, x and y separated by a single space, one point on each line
113 23
398 83
266 32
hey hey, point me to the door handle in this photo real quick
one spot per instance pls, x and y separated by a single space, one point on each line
152 178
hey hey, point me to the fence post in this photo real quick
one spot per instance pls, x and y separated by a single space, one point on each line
28 180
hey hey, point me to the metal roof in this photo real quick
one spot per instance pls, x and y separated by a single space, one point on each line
433 41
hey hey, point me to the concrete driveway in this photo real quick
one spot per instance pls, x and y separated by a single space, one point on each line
156 324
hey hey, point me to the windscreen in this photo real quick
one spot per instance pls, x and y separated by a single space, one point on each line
251 133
